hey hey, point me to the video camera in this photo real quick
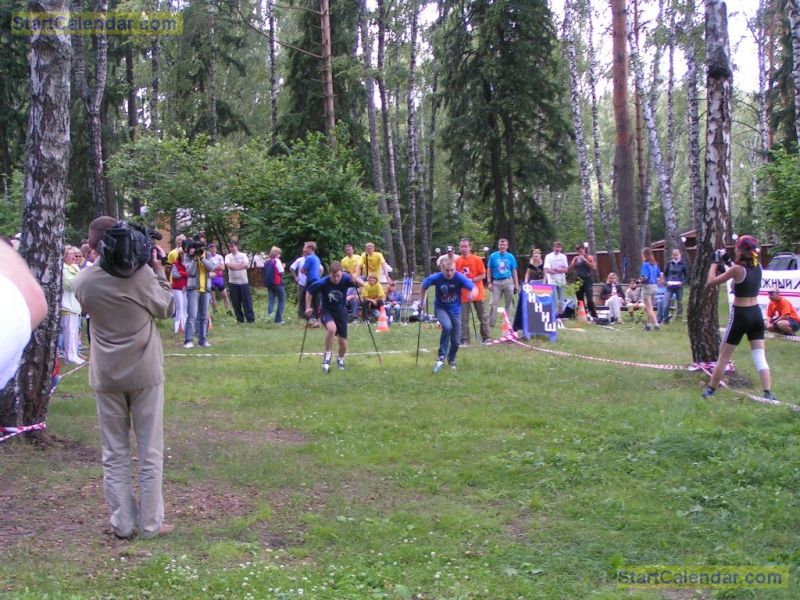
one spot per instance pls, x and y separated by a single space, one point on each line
722 259
196 242
127 247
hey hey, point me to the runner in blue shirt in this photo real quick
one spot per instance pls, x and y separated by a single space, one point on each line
333 293
447 307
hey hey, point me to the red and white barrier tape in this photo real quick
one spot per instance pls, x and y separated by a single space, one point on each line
14 431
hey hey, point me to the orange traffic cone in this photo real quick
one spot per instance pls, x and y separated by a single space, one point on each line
383 322
581 310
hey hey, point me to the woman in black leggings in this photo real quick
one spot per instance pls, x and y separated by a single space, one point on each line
745 318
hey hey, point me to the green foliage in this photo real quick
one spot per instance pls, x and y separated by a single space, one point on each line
312 193
781 205
11 208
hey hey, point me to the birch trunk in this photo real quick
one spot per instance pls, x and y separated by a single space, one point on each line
670 219
671 100
794 21
212 76
641 168
92 101
577 120
623 158
25 398
693 133
760 34
411 133
598 165
427 242
374 143
394 201
703 300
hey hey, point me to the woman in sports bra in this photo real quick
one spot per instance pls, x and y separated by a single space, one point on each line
745 317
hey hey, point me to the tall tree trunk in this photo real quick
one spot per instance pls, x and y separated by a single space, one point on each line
273 78
703 300
92 101
642 171
598 165
374 143
693 135
25 398
129 80
510 194
794 21
327 66
154 81
577 120
212 74
623 158
427 242
394 200
759 30
671 99
411 126
670 219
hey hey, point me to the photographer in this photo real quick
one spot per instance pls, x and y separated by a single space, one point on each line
745 271
197 267
126 371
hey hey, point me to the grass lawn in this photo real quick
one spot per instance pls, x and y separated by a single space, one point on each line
521 475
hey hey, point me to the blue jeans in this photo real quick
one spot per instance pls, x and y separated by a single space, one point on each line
450 339
196 316
677 293
277 294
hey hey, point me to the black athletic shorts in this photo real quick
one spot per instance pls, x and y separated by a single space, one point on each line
744 320
340 319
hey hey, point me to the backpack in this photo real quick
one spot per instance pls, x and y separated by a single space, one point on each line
271 275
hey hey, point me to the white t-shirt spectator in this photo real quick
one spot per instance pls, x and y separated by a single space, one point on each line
238 276
555 261
296 267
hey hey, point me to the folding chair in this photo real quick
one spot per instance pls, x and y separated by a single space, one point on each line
406 308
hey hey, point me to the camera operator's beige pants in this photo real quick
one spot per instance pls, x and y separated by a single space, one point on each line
115 413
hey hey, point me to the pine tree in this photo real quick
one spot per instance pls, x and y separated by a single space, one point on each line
503 90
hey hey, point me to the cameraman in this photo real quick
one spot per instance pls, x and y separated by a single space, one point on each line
197 267
746 318
126 372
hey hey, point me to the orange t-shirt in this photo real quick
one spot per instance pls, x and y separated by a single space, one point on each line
782 308
471 266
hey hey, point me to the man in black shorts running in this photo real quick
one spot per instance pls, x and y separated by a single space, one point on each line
333 290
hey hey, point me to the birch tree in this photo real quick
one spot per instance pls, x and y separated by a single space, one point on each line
670 219
703 318
25 399
577 120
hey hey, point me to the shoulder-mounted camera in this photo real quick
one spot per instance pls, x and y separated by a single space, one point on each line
126 247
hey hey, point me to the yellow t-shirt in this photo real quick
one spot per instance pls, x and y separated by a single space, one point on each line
371 265
350 264
373 291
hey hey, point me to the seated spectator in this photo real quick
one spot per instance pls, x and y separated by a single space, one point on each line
781 315
613 296
393 302
352 304
662 309
372 297
633 297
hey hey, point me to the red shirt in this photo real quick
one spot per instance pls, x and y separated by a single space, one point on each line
471 266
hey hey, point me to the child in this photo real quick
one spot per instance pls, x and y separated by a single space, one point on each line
661 296
393 302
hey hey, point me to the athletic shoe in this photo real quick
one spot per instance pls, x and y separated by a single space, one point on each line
708 392
438 366
768 395
657 327
647 326
453 365
340 363
188 345
205 344
326 367
487 342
